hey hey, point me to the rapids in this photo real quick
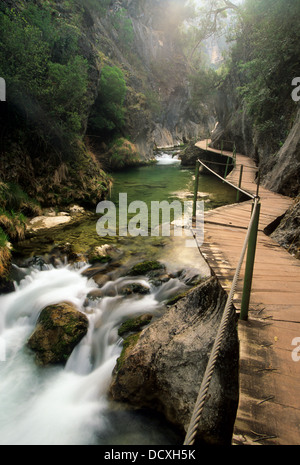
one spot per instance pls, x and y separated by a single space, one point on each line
66 405
70 405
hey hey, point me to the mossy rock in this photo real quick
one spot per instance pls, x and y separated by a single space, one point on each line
122 154
135 324
135 288
128 344
59 329
145 268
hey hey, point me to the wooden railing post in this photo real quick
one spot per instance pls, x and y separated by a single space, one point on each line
250 266
197 173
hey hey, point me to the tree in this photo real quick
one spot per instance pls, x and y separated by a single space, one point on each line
108 113
46 78
270 43
209 20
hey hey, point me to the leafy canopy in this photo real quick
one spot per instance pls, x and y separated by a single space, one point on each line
108 112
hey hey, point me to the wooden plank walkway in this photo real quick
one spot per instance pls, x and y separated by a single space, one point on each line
269 407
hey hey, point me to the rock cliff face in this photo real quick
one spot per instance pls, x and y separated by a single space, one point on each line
280 169
287 234
157 103
165 66
157 100
283 170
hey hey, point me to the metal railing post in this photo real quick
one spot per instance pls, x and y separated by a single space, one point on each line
234 153
258 183
240 184
227 167
197 173
250 265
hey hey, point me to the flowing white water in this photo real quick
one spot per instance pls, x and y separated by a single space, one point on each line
167 158
65 405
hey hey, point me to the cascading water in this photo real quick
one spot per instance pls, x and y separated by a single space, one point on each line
167 158
67 405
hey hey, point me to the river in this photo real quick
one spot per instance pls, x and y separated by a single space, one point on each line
70 405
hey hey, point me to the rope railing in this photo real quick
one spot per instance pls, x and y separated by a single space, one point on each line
250 244
226 181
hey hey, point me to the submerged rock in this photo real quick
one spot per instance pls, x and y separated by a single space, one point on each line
59 329
147 268
104 254
191 154
162 368
46 222
135 288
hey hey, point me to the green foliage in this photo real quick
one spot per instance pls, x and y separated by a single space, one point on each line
108 112
98 6
13 198
153 102
67 86
203 86
13 224
14 205
46 77
123 26
3 238
266 59
122 153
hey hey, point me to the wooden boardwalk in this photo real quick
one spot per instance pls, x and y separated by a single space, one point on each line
269 407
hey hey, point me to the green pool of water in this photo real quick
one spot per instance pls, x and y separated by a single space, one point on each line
166 180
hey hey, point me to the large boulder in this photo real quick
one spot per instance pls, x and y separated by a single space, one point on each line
287 234
163 368
59 329
282 172
191 154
